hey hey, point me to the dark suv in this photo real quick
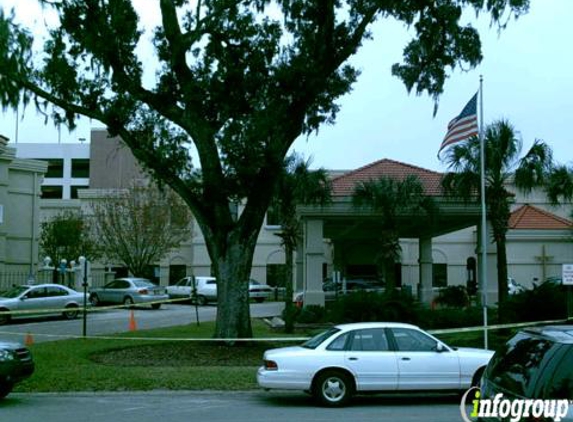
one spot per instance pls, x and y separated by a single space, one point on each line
537 363
16 364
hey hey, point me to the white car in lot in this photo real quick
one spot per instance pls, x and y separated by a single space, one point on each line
206 290
371 357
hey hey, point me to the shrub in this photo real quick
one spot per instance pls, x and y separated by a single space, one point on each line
545 302
453 297
310 314
450 317
362 306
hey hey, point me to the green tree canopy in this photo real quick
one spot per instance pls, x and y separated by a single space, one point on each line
68 236
237 82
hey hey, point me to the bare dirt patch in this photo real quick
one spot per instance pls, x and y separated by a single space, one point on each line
185 354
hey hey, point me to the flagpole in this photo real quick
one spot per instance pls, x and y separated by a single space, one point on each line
483 217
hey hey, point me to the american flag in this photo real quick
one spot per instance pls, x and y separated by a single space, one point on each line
463 126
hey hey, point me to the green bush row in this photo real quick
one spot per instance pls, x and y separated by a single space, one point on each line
451 309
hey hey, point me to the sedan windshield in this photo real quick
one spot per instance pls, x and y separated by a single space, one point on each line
314 342
143 283
15 291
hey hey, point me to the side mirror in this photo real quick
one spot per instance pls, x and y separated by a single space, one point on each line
440 348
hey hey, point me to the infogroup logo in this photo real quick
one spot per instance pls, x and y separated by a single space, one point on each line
516 409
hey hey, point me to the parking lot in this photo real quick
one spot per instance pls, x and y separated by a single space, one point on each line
106 321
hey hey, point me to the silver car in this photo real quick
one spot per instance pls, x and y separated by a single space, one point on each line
39 300
206 290
129 291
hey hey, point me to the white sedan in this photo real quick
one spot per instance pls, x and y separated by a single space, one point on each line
371 357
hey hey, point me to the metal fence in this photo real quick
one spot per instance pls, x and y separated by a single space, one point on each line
18 278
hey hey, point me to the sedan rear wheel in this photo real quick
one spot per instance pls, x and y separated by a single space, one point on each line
333 388
94 299
71 313
128 301
201 300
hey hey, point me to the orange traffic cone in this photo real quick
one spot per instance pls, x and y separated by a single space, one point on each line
132 323
29 339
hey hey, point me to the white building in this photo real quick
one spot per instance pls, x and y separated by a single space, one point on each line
539 239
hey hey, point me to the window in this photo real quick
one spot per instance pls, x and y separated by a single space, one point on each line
52 192
413 341
80 168
439 275
36 293
176 272
55 167
519 362
74 190
339 343
314 342
369 340
56 291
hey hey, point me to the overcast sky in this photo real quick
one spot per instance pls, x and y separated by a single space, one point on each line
528 79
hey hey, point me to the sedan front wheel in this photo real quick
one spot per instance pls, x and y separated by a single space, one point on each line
333 388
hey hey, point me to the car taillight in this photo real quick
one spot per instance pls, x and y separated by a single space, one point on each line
271 365
143 292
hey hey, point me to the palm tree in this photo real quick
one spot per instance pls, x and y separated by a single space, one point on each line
390 197
297 185
559 186
503 163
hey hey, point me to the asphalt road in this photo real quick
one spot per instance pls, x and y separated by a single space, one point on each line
102 322
170 406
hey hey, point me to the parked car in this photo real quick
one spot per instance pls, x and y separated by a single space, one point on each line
40 300
259 292
536 363
333 290
16 364
207 290
129 291
370 357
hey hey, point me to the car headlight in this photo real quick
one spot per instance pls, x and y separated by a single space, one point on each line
6 355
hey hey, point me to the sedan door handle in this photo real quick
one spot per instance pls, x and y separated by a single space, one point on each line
405 358
352 358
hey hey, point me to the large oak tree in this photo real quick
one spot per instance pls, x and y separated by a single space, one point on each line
238 81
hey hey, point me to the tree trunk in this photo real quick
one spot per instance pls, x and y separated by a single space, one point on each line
289 313
233 270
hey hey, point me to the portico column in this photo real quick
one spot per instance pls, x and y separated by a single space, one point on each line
426 294
313 259
299 267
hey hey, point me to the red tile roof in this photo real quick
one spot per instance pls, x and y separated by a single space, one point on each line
344 185
533 218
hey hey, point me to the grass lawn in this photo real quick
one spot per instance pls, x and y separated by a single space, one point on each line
120 365
139 364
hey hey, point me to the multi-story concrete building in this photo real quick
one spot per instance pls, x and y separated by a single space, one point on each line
20 183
